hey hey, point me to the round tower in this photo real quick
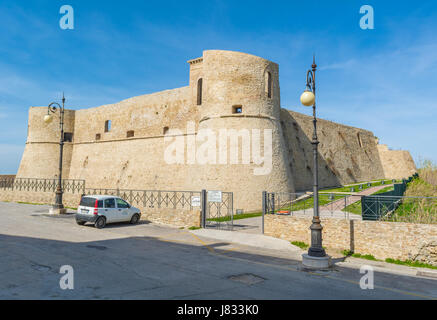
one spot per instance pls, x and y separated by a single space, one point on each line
41 155
240 97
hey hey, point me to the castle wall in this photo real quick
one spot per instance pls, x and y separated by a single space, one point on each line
346 154
41 154
137 162
397 164
132 154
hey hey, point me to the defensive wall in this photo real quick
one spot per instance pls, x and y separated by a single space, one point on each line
123 145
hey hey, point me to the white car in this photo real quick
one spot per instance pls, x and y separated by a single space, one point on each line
101 210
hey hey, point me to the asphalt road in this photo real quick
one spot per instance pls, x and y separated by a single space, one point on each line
150 261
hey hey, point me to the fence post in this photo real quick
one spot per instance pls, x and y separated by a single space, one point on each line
264 203
203 202
232 210
273 203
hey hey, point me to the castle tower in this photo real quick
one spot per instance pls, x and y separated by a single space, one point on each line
240 92
41 154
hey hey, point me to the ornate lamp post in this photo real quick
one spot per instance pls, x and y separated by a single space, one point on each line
316 256
58 207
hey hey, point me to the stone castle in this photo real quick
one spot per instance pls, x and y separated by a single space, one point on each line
122 145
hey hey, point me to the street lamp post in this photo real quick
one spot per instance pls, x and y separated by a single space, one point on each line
316 257
58 207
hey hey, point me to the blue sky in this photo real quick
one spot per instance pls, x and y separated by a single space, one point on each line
383 80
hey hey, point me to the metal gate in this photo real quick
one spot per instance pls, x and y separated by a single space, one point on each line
217 210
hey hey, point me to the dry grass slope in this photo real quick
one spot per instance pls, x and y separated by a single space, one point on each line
420 210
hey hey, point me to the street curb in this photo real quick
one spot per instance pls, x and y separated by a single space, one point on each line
381 266
430 274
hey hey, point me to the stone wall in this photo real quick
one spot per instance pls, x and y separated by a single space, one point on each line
397 164
346 154
397 240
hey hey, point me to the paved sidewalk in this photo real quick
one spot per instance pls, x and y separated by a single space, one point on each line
295 253
253 240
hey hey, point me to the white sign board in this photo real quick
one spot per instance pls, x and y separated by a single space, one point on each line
195 201
214 196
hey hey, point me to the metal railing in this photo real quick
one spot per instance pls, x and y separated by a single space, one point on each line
351 206
42 185
220 215
150 198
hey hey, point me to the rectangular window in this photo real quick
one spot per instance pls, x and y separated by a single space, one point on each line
199 91
68 137
130 134
90 202
165 130
122 204
110 203
237 109
98 136
107 125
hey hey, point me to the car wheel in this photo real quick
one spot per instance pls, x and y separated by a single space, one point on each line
100 223
135 218
81 223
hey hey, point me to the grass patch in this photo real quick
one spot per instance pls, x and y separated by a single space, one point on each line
347 188
410 263
349 253
300 244
237 217
386 189
308 203
33 203
193 228
354 208
72 208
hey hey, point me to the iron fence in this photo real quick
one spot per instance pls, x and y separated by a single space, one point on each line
219 214
151 198
377 207
42 185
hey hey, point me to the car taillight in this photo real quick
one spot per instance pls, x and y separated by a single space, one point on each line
96 206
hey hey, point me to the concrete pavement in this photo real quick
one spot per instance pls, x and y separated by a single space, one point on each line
150 261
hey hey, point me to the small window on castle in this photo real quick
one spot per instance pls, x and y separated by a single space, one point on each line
107 125
68 137
199 91
269 84
98 136
237 109
130 134
165 130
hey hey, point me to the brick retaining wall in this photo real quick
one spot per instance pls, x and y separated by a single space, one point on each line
397 240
